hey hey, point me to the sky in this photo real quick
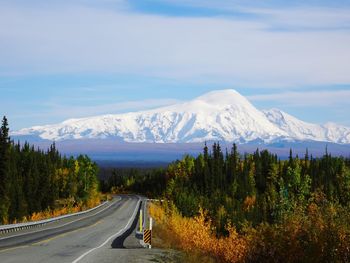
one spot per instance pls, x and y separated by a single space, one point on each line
63 59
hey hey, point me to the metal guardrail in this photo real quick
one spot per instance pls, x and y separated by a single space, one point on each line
21 226
157 200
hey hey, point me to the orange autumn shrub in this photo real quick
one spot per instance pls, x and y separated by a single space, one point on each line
92 202
197 234
319 234
249 203
232 248
157 212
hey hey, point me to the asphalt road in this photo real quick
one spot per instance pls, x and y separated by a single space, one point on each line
101 236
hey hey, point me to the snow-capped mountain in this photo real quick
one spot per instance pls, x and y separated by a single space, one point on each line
300 130
219 115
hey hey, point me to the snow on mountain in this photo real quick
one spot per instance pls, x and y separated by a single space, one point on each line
218 115
301 130
295 128
337 133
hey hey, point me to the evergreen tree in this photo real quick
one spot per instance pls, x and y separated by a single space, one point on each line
4 170
32 180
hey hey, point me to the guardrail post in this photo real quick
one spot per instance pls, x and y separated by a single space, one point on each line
140 220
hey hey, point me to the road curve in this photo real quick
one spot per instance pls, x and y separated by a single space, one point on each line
75 240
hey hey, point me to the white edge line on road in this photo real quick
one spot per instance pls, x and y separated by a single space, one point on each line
112 236
24 234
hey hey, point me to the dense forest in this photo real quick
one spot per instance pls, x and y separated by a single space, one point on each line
32 180
255 187
287 210
148 181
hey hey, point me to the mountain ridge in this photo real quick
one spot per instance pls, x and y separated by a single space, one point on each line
223 115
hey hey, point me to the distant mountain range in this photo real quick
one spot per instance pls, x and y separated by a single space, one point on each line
223 115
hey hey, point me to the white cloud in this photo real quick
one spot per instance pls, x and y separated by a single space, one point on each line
307 18
324 98
71 39
57 111
77 111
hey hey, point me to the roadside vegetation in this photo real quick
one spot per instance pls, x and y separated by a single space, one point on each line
36 184
251 207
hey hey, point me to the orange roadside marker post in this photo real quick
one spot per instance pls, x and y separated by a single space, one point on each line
147 235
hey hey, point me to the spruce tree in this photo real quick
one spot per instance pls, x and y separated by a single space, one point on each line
4 170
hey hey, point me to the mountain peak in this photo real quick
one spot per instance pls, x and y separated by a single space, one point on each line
223 97
220 115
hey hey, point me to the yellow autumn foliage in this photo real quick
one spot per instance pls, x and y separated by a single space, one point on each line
66 209
197 234
322 234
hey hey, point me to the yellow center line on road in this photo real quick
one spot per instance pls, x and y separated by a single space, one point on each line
12 248
49 239
65 234
58 236
122 206
114 235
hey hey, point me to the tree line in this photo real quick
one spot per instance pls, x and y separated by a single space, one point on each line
255 188
33 180
147 181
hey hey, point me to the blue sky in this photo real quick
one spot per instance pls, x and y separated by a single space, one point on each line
67 59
